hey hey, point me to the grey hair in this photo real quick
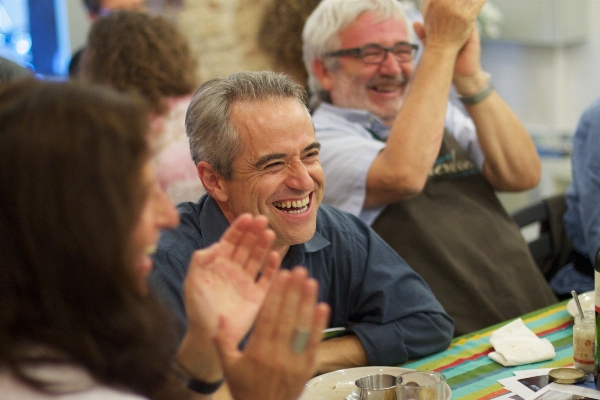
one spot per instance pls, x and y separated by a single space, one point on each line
208 124
330 17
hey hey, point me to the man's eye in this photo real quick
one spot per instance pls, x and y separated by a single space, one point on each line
371 52
274 165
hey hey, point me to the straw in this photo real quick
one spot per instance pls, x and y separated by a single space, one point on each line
574 294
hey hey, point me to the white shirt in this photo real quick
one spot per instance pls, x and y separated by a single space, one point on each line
349 146
69 383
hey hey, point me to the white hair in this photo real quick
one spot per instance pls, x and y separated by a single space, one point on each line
330 17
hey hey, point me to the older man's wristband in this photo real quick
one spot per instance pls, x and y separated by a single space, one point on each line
202 387
479 96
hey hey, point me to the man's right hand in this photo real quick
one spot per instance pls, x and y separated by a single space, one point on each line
448 24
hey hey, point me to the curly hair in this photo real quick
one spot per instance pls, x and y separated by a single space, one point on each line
280 35
134 51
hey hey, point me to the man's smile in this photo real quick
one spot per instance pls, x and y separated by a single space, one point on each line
386 84
293 206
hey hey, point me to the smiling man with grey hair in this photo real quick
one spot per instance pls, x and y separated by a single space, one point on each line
254 144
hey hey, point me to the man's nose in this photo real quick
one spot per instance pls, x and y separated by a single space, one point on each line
299 178
389 65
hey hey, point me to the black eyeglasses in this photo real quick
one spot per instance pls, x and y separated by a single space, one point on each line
376 54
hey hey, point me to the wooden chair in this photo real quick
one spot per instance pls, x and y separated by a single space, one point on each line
551 249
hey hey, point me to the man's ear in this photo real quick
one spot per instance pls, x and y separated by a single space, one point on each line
212 181
322 73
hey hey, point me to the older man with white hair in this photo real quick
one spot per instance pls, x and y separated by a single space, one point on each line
397 154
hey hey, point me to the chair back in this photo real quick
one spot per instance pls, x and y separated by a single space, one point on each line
550 248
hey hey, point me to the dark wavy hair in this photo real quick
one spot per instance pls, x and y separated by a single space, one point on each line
71 192
135 51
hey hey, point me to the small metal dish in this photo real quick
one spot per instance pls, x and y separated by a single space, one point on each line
566 376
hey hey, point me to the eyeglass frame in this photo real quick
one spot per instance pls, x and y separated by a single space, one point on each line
357 52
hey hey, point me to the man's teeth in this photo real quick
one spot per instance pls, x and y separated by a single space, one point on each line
297 205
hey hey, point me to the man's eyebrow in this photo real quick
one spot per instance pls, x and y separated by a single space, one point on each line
312 146
269 157
277 156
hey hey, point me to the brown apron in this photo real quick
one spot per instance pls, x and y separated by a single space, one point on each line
459 238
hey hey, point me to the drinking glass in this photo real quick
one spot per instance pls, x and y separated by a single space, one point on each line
420 385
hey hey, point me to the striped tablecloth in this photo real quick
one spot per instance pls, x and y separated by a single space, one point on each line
473 375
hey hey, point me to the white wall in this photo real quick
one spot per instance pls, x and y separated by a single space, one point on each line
548 87
72 27
79 25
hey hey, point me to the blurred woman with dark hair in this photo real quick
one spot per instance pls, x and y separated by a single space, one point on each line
80 213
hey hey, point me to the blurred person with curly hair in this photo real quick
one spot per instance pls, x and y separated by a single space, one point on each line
280 36
147 54
95 9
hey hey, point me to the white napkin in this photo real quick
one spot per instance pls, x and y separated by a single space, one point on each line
515 344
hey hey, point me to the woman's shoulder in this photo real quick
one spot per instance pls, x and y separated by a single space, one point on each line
67 382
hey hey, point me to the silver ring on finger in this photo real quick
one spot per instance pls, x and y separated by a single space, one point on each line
300 340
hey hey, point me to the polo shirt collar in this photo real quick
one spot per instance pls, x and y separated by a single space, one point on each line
364 118
213 224
212 221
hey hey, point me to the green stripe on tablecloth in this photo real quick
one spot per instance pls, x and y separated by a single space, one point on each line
539 321
484 384
473 375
